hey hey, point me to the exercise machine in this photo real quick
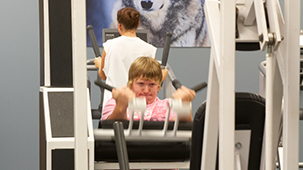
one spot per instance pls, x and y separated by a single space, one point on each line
54 50
258 22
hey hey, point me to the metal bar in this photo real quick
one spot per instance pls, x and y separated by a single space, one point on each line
300 165
78 10
144 165
291 84
269 151
46 43
164 130
121 146
211 130
274 95
227 85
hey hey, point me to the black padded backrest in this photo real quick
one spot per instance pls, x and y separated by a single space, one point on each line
250 113
145 151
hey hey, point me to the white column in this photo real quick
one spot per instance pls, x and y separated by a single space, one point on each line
291 84
211 126
274 93
227 85
46 40
78 9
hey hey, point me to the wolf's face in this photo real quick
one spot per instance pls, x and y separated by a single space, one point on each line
150 5
153 10
184 18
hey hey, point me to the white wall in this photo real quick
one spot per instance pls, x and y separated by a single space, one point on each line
19 87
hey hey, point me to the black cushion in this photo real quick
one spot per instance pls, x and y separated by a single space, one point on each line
145 151
249 114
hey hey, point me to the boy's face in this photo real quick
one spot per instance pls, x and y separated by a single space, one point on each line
146 88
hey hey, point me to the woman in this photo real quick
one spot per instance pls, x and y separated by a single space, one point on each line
145 77
120 52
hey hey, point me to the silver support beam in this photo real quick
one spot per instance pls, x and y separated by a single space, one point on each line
78 8
46 42
220 108
282 82
227 86
291 84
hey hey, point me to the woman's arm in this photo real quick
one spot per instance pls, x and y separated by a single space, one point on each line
99 63
164 74
101 72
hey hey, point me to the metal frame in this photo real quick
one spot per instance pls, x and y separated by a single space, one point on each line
78 10
65 142
220 124
282 79
46 43
144 165
282 68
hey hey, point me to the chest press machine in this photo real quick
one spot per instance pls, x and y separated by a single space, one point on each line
75 150
161 145
60 97
250 114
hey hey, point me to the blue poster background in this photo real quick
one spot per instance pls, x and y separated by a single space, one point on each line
99 15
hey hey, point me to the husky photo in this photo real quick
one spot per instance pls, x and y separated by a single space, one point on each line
185 19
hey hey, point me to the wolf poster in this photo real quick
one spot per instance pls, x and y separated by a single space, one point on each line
185 19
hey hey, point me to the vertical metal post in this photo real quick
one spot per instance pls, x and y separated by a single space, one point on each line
121 146
227 85
269 149
211 130
80 84
46 43
291 84
220 121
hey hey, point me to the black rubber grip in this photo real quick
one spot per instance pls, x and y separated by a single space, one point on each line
166 48
199 86
104 85
93 40
176 83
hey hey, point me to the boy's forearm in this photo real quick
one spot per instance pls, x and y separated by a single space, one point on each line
119 113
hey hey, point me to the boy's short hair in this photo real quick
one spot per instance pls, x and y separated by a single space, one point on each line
145 67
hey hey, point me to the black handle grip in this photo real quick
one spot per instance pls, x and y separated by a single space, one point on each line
199 86
177 84
104 85
93 39
166 48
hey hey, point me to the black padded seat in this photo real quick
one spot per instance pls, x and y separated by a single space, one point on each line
145 151
249 114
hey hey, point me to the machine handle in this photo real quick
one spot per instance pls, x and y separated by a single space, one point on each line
166 48
199 87
177 84
93 40
104 85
